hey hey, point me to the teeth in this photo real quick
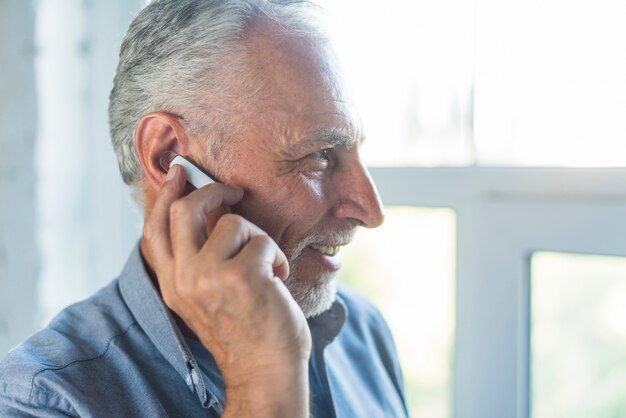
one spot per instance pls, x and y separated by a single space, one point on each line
326 250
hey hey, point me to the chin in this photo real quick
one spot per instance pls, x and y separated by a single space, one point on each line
313 297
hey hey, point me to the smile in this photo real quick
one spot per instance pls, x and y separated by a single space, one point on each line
326 250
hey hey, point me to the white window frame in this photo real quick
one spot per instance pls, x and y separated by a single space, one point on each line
504 215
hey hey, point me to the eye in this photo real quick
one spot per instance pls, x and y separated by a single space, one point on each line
318 162
323 154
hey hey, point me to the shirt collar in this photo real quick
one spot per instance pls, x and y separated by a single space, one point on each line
326 326
148 308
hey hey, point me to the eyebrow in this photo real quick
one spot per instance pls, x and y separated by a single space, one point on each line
329 137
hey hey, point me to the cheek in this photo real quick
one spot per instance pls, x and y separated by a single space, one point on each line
285 211
303 199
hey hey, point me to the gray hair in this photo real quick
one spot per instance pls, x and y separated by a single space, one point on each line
185 57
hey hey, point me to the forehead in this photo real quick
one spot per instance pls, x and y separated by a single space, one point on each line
298 88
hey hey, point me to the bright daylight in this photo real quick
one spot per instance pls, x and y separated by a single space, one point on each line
495 152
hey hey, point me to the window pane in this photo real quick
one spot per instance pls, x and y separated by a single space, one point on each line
550 86
407 268
410 67
578 336
487 82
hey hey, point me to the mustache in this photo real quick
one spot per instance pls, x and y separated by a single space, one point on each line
337 236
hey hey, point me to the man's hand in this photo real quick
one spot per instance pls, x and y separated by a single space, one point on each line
223 276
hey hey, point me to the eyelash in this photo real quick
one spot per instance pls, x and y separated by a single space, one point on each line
319 161
323 154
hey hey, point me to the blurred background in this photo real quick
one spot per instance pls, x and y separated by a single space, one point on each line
497 138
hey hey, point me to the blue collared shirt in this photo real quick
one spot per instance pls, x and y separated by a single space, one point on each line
120 354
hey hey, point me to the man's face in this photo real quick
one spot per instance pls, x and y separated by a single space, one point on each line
298 162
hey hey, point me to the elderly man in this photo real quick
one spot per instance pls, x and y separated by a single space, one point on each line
228 306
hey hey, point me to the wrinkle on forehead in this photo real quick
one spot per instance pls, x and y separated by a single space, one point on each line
282 62
289 132
300 92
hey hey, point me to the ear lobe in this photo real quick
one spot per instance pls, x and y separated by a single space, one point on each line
156 134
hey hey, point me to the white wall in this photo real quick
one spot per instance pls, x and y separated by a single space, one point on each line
86 225
67 224
19 255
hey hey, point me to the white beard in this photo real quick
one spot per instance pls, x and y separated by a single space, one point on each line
313 299
315 296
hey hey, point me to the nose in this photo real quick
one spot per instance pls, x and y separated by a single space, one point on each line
359 199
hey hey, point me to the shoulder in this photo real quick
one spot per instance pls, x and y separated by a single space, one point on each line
78 335
366 339
360 311
364 322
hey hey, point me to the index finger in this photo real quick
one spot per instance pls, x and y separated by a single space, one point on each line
189 216
262 251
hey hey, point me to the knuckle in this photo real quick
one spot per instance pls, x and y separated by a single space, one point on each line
262 244
265 243
149 233
180 288
231 221
179 208
169 300
263 240
184 289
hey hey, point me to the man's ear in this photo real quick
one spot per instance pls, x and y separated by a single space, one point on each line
155 134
